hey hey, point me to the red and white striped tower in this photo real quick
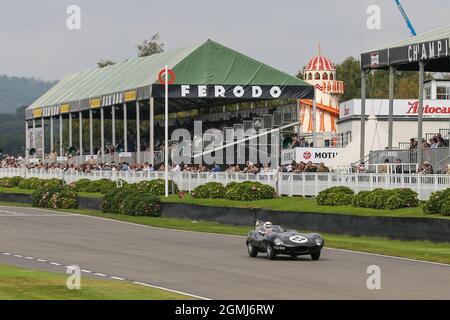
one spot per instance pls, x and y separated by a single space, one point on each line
321 73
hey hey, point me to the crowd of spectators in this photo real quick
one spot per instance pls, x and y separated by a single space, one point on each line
435 142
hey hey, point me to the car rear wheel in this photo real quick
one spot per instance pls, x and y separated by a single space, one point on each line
315 256
252 252
270 252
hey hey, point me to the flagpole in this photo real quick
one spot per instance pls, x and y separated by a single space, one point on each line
166 134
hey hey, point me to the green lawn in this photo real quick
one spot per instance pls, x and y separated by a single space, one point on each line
290 204
23 284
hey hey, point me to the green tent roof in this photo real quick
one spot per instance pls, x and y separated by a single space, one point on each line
209 63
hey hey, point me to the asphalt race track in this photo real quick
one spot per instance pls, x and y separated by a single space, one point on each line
203 265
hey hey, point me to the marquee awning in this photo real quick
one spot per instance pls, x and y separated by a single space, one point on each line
432 47
208 74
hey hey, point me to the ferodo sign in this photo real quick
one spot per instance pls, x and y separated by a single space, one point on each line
233 92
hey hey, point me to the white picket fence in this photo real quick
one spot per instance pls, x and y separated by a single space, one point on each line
288 184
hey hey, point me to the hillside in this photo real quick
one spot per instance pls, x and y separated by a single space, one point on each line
16 92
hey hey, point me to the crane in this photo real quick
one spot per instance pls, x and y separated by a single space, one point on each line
405 16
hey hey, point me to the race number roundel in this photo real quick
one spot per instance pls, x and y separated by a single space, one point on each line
307 155
162 79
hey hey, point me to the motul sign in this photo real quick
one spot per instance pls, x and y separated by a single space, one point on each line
427 109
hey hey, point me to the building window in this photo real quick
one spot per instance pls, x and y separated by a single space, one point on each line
317 76
325 76
428 93
442 93
331 76
310 76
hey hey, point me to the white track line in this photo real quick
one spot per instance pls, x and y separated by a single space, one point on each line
111 277
235 236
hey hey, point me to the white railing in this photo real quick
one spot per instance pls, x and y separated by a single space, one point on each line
304 184
380 168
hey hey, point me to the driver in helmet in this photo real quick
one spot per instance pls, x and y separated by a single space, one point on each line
266 229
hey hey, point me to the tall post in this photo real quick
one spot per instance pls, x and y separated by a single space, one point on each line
33 141
102 133
166 133
314 123
391 108
91 134
52 138
152 131
61 136
138 132
125 129
420 117
70 130
80 130
27 143
362 151
43 139
113 124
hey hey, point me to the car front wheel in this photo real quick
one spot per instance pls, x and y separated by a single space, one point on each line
315 256
252 252
270 252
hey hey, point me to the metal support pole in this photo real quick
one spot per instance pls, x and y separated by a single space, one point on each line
391 108
152 131
102 133
27 143
91 134
420 117
61 136
70 131
166 133
80 130
138 132
52 138
113 123
125 129
33 141
314 123
362 151
43 139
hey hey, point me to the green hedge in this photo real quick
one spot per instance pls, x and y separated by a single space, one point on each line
10 182
376 199
439 203
36 183
155 187
55 198
131 202
249 191
212 190
94 186
336 196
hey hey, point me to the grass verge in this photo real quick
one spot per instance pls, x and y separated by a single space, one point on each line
23 284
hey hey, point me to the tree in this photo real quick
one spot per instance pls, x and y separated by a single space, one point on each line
149 47
300 74
105 63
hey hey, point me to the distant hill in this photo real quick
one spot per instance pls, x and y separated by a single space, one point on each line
16 92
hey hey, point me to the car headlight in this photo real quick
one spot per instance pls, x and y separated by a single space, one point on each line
319 241
279 242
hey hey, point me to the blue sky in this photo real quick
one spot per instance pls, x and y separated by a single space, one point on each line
283 33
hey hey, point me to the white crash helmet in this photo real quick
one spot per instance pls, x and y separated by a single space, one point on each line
267 226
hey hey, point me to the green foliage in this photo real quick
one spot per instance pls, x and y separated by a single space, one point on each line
360 199
439 203
10 182
336 196
102 186
155 187
141 204
36 183
131 202
55 198
249 191
212 190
